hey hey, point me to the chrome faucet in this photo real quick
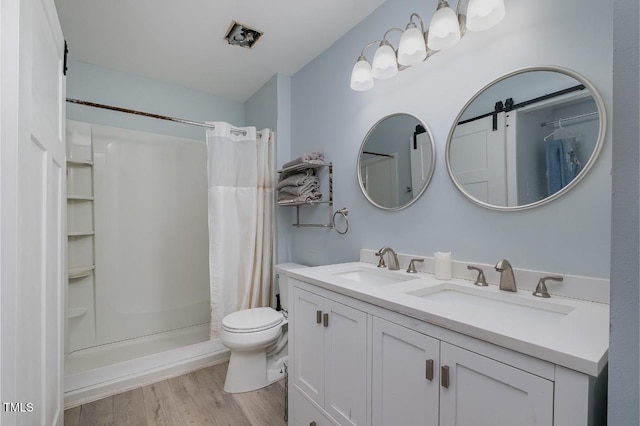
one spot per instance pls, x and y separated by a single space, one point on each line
394 265
507 279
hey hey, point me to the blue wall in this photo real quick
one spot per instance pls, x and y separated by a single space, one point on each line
98 84
261 109
569 235
271 107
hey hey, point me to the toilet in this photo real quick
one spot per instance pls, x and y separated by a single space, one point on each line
257 340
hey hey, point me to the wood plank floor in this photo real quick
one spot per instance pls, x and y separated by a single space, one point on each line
196 398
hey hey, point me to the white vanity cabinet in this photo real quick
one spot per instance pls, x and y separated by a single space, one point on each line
372 365
329 356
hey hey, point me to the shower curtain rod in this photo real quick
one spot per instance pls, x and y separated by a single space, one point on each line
145 114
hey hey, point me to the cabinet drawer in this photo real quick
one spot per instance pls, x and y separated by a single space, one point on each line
304 413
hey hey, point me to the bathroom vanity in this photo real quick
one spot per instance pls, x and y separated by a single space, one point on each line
370 346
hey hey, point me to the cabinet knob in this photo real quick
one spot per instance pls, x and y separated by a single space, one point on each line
313 423
444 376
326 320
318 317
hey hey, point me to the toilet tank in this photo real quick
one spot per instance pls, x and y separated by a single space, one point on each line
283 281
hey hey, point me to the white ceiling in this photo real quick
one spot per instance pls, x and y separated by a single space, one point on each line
181 41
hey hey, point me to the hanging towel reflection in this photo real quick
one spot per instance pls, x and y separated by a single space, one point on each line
562 163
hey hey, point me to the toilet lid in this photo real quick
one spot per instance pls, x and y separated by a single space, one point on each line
254 319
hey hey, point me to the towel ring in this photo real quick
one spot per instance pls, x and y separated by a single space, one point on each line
342 212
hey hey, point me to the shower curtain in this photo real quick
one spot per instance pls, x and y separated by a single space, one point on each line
241 207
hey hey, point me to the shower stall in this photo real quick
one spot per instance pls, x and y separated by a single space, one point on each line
138 291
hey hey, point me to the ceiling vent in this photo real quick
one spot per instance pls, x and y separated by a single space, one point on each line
242 35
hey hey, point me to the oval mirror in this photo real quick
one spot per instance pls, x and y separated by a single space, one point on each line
526 138
396 161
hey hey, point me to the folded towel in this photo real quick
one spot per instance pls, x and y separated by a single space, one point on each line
314 157
296 179
285 198
299 190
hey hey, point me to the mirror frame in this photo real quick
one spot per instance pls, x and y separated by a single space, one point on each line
432 165
602 117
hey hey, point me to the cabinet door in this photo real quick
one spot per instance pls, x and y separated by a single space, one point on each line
304 413
405 382
482 391
346 364
308 344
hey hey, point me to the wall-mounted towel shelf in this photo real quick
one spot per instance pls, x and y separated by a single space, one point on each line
329 201
303 203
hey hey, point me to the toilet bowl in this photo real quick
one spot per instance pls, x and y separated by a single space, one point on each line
257 340
248 334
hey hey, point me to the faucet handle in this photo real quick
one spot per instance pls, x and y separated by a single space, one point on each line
381 263
412 267
541 288
480 280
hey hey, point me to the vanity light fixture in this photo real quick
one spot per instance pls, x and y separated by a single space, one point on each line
444 30
416 45
385 64
412 49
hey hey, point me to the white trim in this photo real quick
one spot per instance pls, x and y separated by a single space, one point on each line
9 60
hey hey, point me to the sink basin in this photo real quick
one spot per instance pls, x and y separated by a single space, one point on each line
373 276
490 304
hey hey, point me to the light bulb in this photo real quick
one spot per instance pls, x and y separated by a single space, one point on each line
484 14
444 31
384 64
412 49
361 78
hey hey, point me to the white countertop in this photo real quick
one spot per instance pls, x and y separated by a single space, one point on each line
577 339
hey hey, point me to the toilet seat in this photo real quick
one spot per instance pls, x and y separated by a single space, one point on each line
252 320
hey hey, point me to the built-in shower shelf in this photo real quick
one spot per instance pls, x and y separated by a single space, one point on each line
80 163
81 272
76 313
81 233
80 197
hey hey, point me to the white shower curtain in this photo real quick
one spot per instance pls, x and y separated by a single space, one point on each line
241 207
